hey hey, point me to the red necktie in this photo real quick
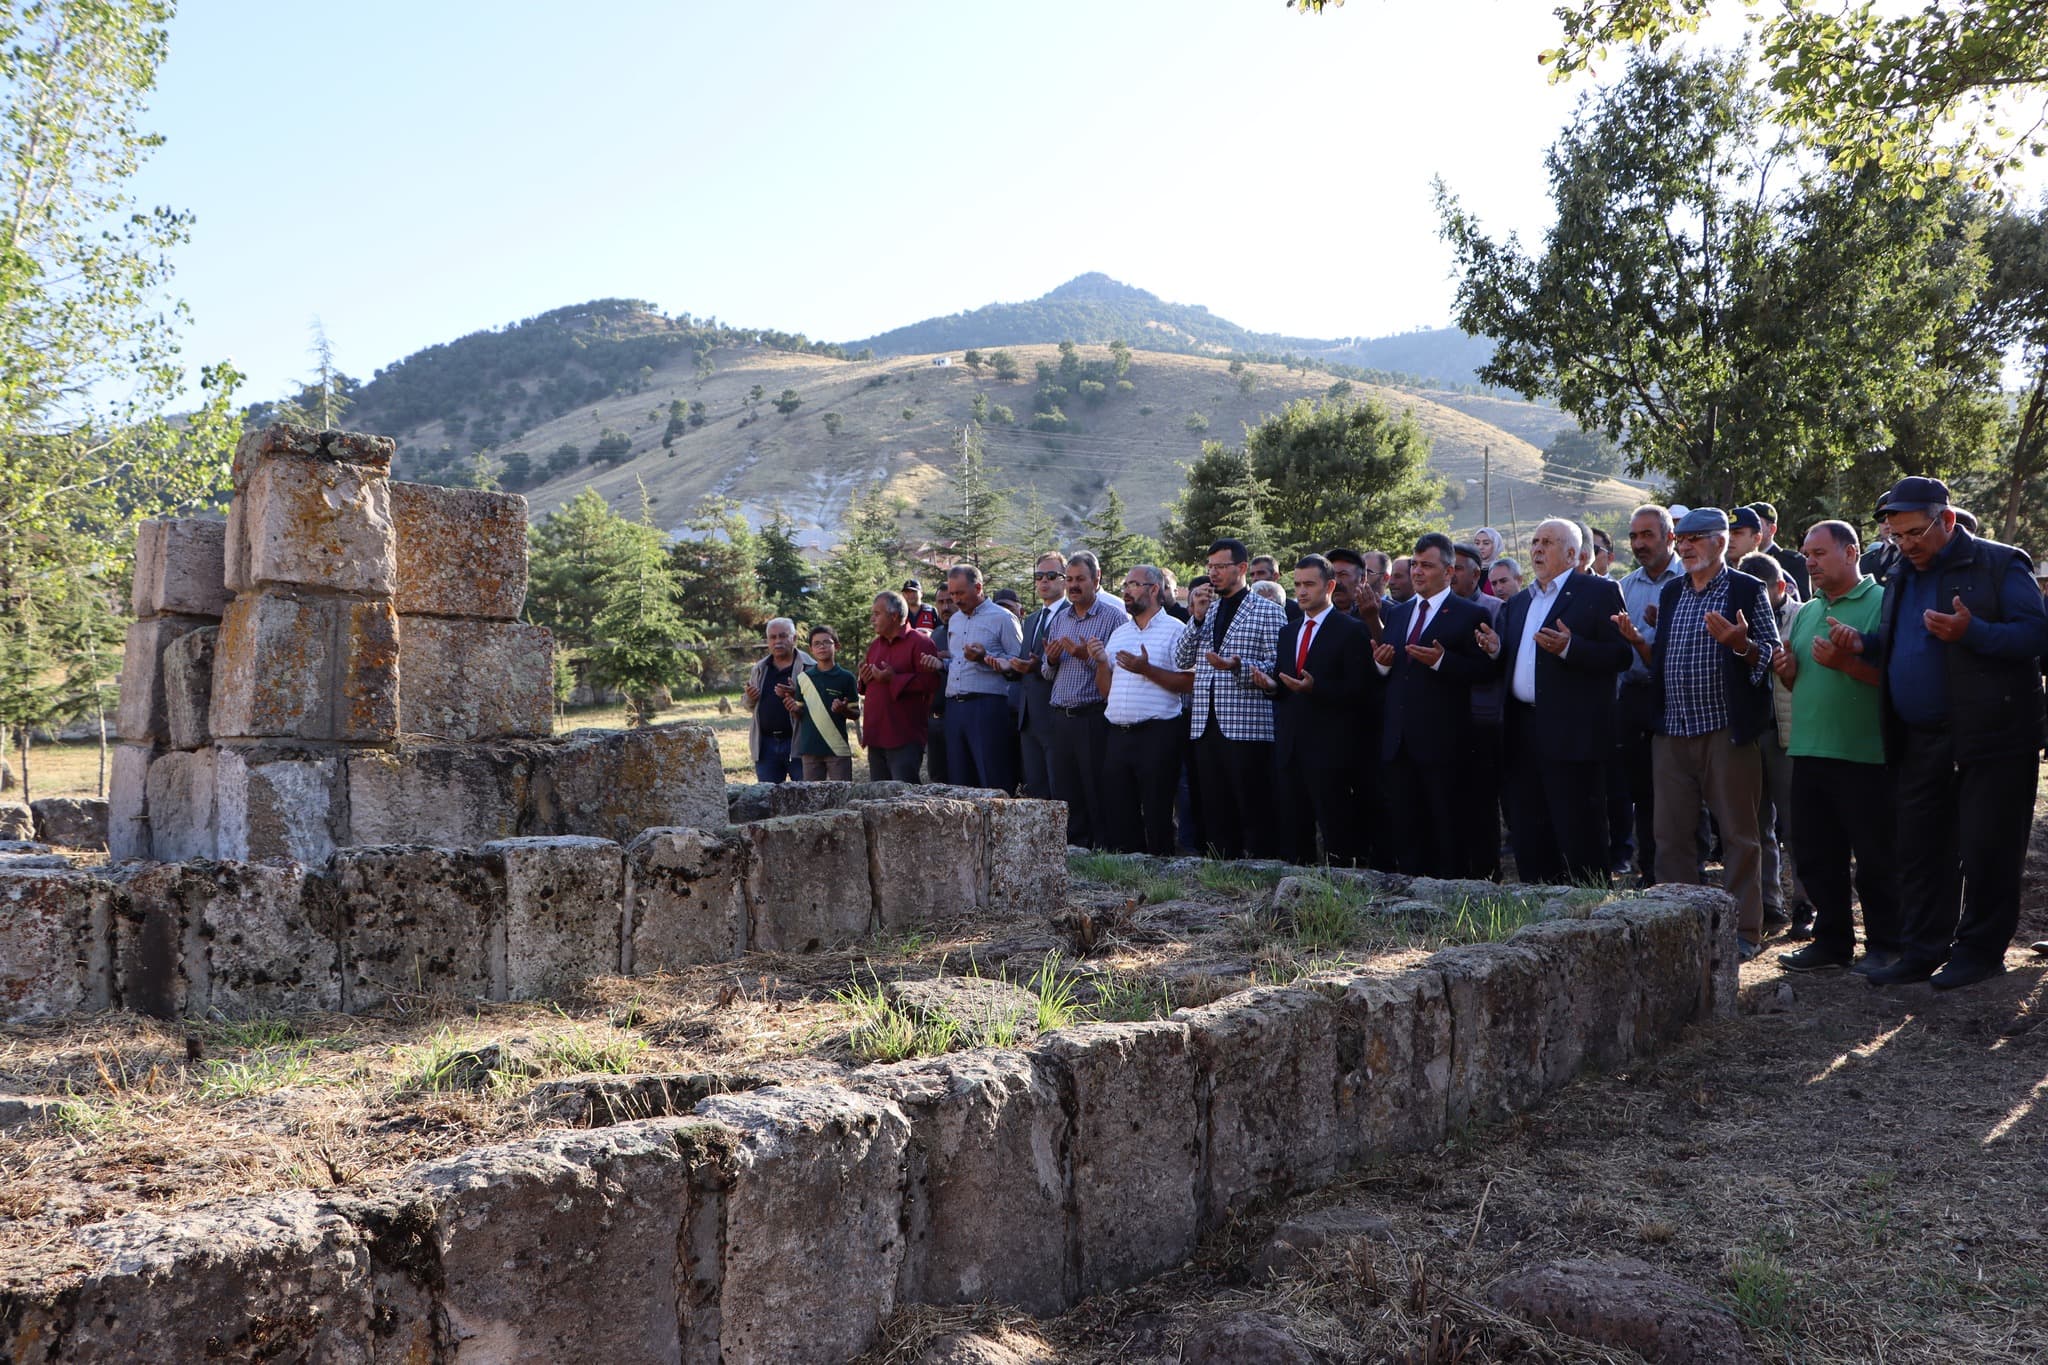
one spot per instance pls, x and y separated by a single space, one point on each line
1421 614
1301 654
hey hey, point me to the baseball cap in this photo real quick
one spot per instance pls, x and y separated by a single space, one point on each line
910 584
1746 519
1913 494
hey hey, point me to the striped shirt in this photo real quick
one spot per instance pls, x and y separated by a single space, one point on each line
1073 673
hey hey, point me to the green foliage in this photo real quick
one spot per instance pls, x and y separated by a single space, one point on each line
1114 543
789 402
518 469
783 572
715 568
1224 496
613 446
1002 416
834 423
1005 366
698 413
1197 421
1035 531
565 458
326 396
1752 328
485 472
973 361
678 423
1340 389
1120 358
910 414
1574 454
975 510
640 629
1093 391
1052 419
979 408
865 563
1129 875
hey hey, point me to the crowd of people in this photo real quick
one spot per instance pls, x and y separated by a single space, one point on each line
1837 726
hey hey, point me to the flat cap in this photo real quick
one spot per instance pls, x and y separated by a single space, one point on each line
1703 521
1746 519
1913 494
1006 595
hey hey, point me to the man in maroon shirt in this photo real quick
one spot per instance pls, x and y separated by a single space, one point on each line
898 689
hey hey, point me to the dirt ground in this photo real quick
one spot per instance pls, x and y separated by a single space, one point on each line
1859 1175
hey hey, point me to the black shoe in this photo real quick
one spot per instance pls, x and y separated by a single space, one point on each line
1958 974
1905 971
1746 951
2039 949
1774 920
1813 958
1875 960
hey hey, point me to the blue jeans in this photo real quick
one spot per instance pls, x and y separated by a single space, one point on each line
777 763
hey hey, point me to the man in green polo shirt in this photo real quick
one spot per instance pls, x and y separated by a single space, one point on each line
821 700
1841 789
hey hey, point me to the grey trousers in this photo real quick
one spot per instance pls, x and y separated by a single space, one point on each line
1729 778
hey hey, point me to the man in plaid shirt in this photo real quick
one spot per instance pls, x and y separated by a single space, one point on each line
1229 719
1710 672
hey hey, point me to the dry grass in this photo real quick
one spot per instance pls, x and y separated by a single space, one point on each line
69 768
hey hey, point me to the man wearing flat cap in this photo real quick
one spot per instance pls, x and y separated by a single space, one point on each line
1957 647
1710 671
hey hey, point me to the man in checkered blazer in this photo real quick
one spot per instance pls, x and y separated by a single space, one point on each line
1230 721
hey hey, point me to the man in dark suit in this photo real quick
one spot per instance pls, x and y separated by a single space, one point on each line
1321 667
1790 560
1559 651
1430 656
1034 691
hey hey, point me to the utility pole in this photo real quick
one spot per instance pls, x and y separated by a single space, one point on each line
1487 520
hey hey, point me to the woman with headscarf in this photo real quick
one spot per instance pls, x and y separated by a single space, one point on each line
1490 546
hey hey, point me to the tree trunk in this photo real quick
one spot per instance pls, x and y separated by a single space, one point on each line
2026 453
24 738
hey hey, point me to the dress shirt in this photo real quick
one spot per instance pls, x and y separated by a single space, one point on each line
1305 638
1073 674
1695 693
996 631
1133 697
1434 607
895 712
1541 600
1639 592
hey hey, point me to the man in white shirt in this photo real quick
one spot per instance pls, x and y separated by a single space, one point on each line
1141 759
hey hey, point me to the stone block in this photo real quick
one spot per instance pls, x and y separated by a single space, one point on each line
17 821
564 900
188 688
71 821
1720 978
290 440
1667 963
180 567
1589 991
417 921
470 680
142 716
307 523
306 668
449 795
128 802
613 784
1498 1016
572 1248
814 1215
1393 1061
235 939
987 1186
926 859
807 881
685 899
180 803
807 798
461 551
1136 1158
1266 1078
282 1277
1027 857
276 801
56 943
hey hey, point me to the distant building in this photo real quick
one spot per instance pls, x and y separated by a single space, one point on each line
942 361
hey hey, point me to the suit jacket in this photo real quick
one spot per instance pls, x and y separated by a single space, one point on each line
1429 711
1243 712
1575 694
1794 565
1319 728
1034 711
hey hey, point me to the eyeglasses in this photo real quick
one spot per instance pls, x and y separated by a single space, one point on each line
1048 573
1900 533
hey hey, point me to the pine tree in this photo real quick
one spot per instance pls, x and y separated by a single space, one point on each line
1223 497
641 629
1036 531
784 573
975 510
1115 544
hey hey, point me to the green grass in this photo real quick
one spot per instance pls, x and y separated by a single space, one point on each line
582 1050
1230 879
1135 878
1130 1000
1330 914
1489 919
883 1033
1058 994
262 1070
1762 1289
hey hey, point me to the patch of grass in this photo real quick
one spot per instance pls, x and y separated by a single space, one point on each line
1130 1000
451 1061
264 1031
1489 919
1131 876
1058 994
1762 1289
1231 879
883 1033
263 1069
583 1050
1328 915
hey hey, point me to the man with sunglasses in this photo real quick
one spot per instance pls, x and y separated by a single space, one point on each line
1034 702
1957 649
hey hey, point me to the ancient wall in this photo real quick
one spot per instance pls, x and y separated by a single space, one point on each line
783 1224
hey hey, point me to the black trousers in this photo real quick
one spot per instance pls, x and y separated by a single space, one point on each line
895 765
1236 791
1560 828
1079 736
1480 824
1962 834
1839 810
1140 779
1370 837
1632 743
935 747
1034 751
1423 800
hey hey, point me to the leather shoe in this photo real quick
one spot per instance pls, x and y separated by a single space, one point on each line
1959 974
2039 949
1875 960
1903 972
1812 958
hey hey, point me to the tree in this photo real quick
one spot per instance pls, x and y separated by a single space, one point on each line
1005 366
1114 543
89 356
678 423
785 575
699 414
1197 421
973 360
565 458
834 423
1342 474
328 393
1575 459
1035 531
979 407
789 402
863 565
1223 497
641 629
715 571
1002 415
1751 331
567 555
975 508
612 446
1120 358
2013 310
518 469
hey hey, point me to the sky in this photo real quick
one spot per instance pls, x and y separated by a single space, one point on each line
411 172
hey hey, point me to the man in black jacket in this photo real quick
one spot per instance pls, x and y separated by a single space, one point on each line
1789 559
1560 651
1321 666
1959 691
1429 654
1710 672
1034 701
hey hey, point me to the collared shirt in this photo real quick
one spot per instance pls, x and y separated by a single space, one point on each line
1541 600
1639 592
1834 715
897 705
997 632
1073 673
1695 693
1305 637
1133 697
1916 665
1431 608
